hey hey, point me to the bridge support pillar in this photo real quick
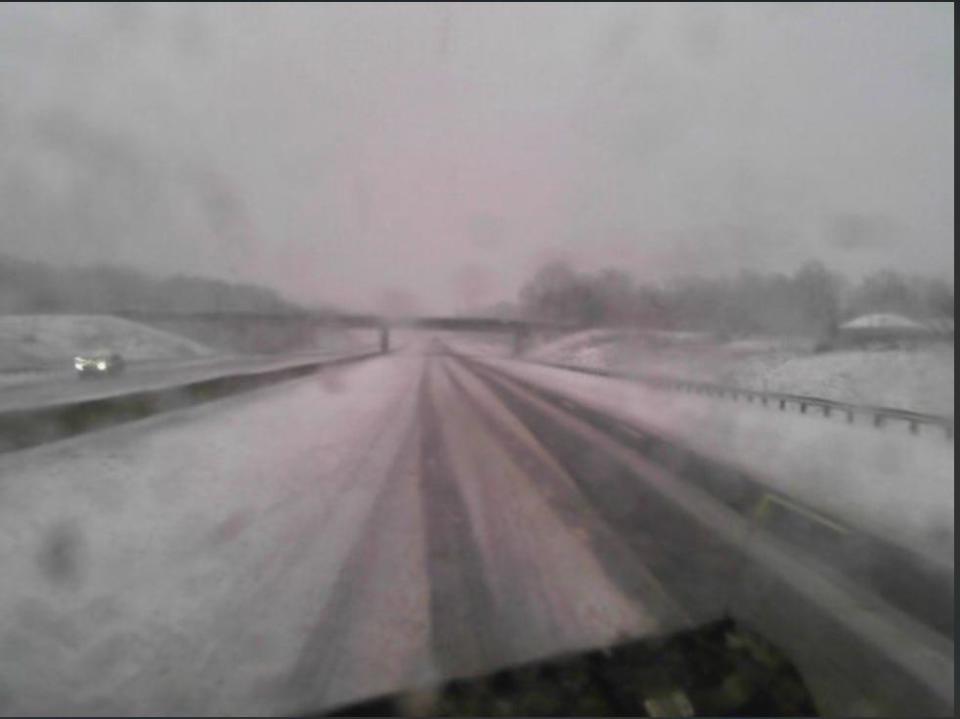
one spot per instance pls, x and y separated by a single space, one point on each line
384 339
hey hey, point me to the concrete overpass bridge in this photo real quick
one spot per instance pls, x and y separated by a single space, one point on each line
290 324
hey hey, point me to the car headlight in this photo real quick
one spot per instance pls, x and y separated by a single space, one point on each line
101 366
78 364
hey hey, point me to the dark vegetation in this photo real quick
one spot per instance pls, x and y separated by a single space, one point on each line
719 669
812 301
36 288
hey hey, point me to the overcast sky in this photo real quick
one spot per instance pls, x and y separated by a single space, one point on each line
436 154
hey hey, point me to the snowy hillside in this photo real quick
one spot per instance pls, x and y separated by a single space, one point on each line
36 342
920 379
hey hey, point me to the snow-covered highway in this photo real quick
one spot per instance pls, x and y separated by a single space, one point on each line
386 525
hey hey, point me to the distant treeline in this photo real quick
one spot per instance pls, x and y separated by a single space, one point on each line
36 288
811 301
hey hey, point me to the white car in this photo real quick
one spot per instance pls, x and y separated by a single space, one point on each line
98 364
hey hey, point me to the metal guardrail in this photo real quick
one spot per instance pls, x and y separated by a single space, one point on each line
878 415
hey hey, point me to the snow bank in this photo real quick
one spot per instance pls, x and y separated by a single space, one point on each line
586 347
920 379
881 320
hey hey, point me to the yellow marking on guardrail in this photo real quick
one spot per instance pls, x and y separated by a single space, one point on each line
764 504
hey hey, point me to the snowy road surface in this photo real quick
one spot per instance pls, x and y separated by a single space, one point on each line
373 528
